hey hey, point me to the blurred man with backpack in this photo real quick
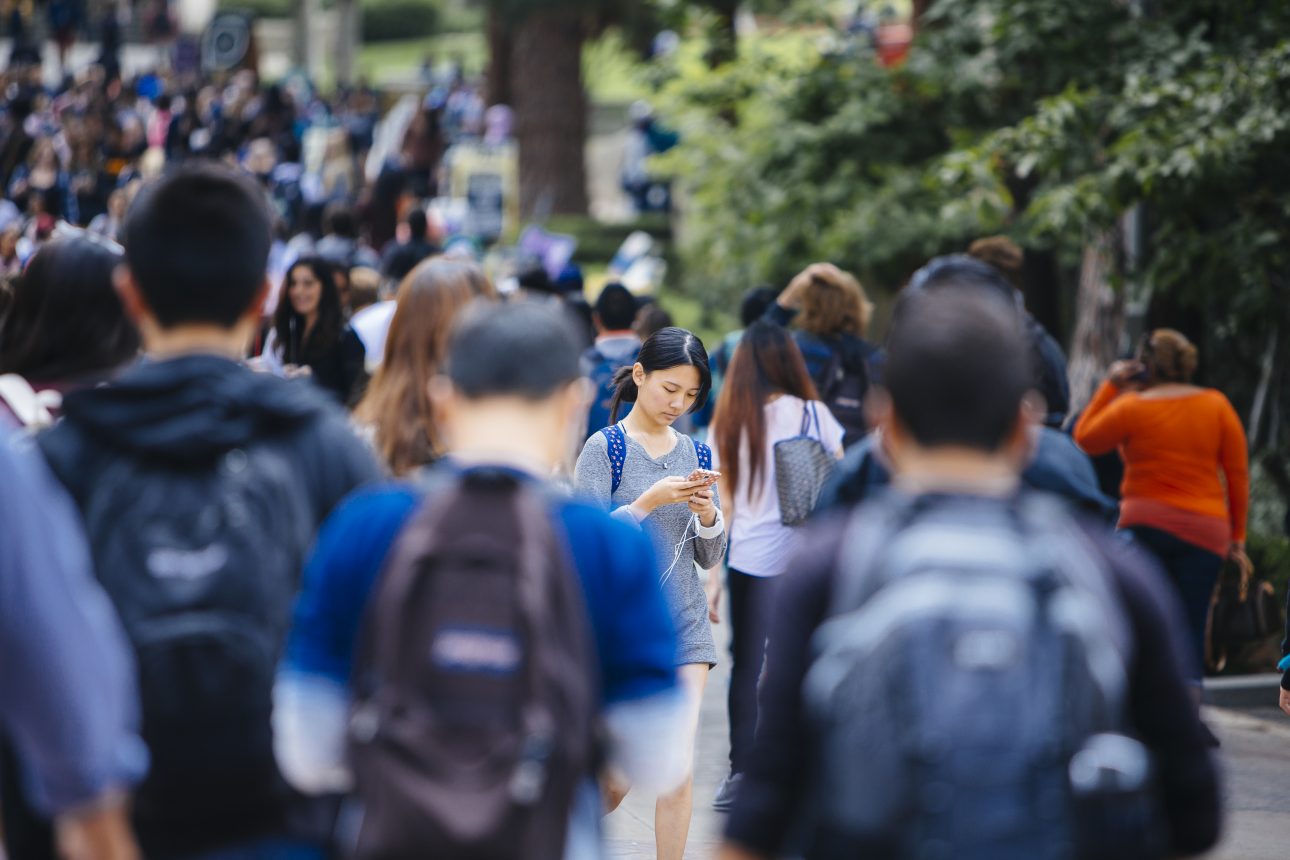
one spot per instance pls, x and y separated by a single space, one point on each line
959 669
1047 359
471 650
616 347
201 484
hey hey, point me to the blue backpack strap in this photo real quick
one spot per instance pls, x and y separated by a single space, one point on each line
705 454
616 445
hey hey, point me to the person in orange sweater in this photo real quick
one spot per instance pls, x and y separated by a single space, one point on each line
1186 467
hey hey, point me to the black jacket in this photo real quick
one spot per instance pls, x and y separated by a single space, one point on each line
1059 467
188 413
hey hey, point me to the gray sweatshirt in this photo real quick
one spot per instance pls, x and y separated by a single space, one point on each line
671 528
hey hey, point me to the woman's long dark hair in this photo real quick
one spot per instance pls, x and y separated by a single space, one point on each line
766 362
666 348
290 326
65 320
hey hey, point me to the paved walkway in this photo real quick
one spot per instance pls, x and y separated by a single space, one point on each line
630 830
1256 790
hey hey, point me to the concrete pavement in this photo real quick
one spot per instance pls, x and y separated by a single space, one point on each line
1256 761
630 830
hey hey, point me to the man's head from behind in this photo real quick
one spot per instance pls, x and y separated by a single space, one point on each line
961 270
957 378
196 247
512 390
615 309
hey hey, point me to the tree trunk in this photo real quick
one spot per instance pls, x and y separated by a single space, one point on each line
920 9
348 23
500 48
550 113
1099 319
1041 282
723 44
300 10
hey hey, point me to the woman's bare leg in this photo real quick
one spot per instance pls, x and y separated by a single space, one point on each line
673 810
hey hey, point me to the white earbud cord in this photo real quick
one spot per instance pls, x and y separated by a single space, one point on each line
680 548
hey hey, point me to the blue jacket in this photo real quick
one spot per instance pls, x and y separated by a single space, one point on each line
68 701
633 632
635 645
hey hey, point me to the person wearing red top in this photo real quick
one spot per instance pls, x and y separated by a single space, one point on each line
1186 467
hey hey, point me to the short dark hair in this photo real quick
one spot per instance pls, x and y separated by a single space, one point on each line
754 304
960 270
1047 360
525 349
958 367
338 220
65 320
616 307
197 242
417 223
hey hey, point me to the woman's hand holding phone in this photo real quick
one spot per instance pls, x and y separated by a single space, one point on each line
703 504
667 491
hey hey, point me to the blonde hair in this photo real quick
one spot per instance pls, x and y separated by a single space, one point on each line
1169 356
397 402
834 303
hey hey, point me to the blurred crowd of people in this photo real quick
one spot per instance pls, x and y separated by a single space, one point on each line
356 550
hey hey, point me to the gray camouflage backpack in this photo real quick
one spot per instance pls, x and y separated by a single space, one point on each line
968 692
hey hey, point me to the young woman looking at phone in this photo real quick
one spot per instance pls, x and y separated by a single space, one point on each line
658 485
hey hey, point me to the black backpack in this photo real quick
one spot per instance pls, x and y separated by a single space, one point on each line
842 381
474 683
202 561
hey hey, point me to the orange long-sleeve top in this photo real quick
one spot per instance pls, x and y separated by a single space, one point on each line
1177 452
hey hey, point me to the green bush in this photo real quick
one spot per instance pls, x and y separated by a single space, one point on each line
392 20
383 20
258 8
598 242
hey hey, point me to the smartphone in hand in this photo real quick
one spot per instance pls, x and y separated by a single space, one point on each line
708 476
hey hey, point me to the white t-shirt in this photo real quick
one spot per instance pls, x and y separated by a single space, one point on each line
372 325
760 545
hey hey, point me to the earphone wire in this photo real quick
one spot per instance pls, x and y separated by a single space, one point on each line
680 548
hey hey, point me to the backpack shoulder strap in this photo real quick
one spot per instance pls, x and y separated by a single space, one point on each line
616 445
869 533
704 453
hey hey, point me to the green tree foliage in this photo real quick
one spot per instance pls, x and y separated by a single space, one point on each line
1044 119
1017 114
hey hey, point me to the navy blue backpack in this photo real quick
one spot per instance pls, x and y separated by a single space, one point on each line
616 442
